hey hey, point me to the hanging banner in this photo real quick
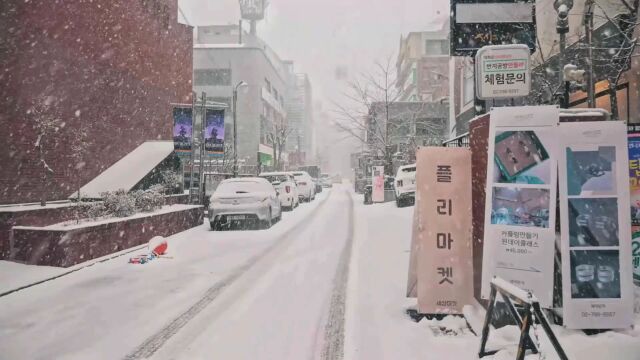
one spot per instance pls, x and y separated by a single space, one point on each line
597 285
519 231
214 132
444 259
182 129
633 132
377 182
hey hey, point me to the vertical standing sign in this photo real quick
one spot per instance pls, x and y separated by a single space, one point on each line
519 231
597 285
377 182
182 130
444 266
214 132
634 187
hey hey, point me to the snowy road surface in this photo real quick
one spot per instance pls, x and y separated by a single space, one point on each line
222 295
327 283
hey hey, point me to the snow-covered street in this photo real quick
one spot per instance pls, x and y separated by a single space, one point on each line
327 282
234 295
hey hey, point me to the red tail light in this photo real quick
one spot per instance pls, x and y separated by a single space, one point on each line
302 183
287 189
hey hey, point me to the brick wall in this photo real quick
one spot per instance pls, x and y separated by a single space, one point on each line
67 248
110 67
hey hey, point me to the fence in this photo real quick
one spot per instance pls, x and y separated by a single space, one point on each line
458 141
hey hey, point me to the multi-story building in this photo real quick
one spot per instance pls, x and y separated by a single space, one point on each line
102 73
422 66
299 105
225 55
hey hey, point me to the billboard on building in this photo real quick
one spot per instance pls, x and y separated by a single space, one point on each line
597 285
214 132
520 212
491 22
182 129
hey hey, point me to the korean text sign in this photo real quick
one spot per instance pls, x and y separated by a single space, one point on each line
377 182
182 129
597 285
214 132
503 72
444 266
519 232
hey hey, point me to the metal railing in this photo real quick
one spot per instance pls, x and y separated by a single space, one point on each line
458 141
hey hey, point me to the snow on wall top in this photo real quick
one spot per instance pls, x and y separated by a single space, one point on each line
129 170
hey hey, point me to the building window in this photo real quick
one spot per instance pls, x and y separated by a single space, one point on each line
212 77
436 47
267 85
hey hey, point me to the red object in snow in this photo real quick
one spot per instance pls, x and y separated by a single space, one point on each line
158 245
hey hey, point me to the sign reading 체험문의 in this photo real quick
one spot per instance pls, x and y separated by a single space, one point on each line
503 72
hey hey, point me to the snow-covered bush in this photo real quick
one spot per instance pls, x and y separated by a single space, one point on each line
172 181
119 203
148 200
90 209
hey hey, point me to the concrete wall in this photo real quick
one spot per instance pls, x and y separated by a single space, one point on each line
111 67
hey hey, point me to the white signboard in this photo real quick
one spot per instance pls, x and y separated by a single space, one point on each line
597 285
377 182
503 71
519 231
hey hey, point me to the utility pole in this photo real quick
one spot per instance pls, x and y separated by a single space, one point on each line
194 97
235 127
588 30
562 28
203 129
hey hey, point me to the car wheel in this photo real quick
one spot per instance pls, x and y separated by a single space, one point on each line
213 225
267 223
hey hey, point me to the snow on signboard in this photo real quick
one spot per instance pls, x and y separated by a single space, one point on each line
519 232
503 71
597 285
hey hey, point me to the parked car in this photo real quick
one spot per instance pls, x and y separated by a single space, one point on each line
285 186
318 187
325 180
405 185
241 202
306 186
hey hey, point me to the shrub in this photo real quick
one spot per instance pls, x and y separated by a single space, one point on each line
148 200
119 203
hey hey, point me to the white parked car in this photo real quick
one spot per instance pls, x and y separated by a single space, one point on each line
405 185
306 186
244 201
285 186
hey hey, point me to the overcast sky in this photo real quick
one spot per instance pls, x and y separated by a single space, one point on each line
320 36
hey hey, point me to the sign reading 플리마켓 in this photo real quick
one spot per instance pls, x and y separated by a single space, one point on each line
519 231
503 71
597 285
444 261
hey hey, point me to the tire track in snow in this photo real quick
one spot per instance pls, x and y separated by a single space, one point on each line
334 328
157 340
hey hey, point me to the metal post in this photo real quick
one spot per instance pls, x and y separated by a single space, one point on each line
235 132
240 32
203 129
563 39
588 24
193 149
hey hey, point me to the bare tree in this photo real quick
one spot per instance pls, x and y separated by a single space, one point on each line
373 115
46 124
278 139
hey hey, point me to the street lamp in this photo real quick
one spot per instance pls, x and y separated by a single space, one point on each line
562 28
235 127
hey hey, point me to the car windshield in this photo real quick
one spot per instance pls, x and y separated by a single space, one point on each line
276 178
319 179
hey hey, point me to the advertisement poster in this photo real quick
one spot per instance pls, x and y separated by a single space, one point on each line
597 285
377 182
182 129
519 232
214 132
633 132
444 264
